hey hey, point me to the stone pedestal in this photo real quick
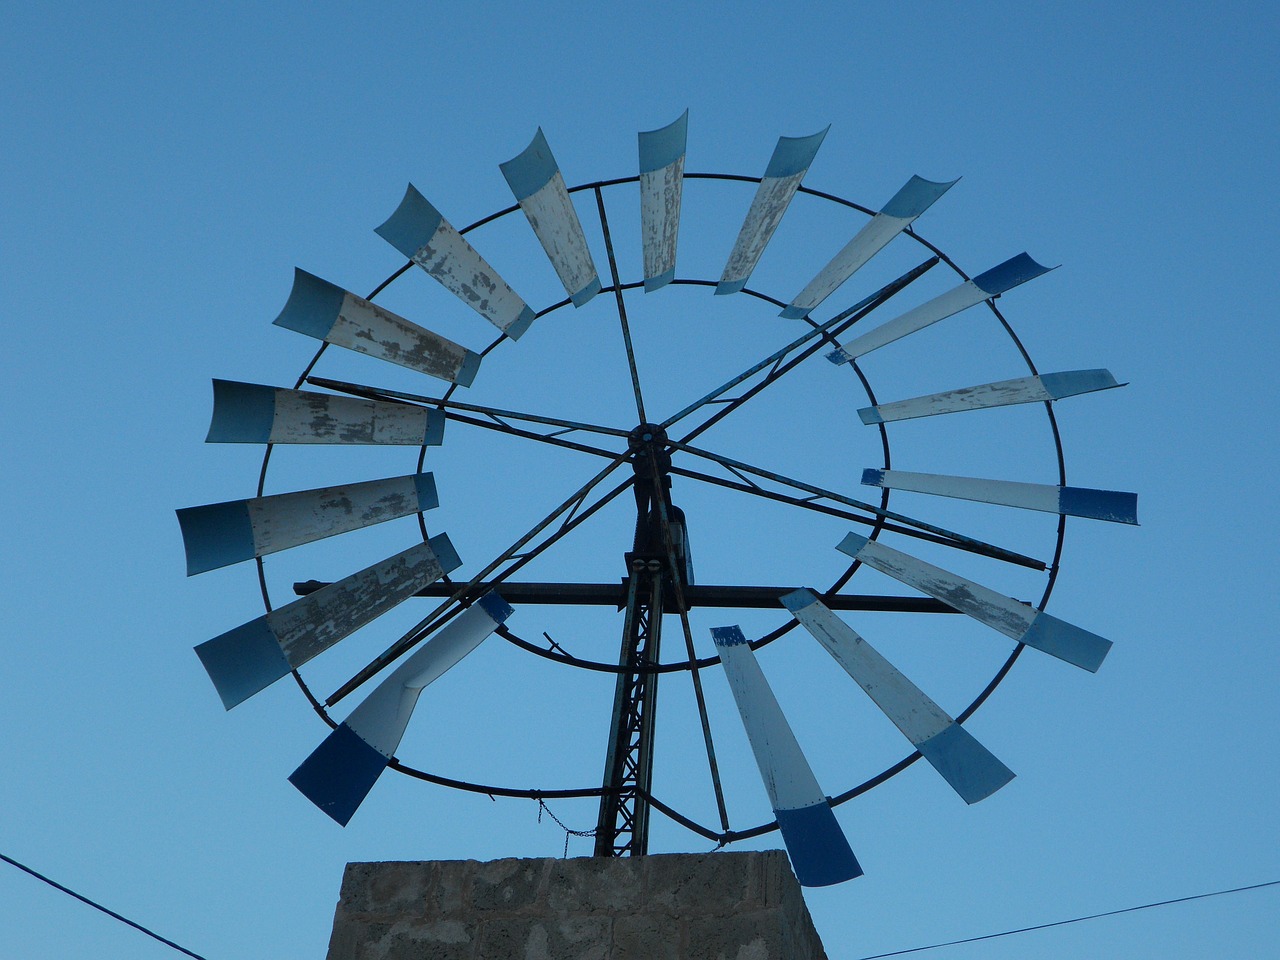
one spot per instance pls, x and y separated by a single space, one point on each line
722 906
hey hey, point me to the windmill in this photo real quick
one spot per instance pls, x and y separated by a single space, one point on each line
641 452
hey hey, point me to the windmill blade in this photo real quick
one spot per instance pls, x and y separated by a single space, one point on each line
1113 505
255 413
252 656
787 167
1002 393
535 179
419 231
999 279
340 772
819 852
220 534
1021 621
915 197
322 310
661 190
971 770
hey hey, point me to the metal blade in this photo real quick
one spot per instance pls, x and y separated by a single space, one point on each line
419 231
661 189
973 772
915 197
1021 621
999 279
254 413
252 656
340 772
1110 505
787 167
535 179
819 852
220 534
1047 386
322 310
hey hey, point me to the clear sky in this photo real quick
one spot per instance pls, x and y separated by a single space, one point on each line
167 165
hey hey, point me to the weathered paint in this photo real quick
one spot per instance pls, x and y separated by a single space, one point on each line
1020 621
971 770
255 413
249 658
662 154
1110 505
1048 386
340 773
539 188
220 534
997 280
819 851
419 231
915 197
322 310
787 167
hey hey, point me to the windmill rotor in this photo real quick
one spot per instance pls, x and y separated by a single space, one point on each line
633 450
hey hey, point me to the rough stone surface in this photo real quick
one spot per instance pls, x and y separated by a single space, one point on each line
721 906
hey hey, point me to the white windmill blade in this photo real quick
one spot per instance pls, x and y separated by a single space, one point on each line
219 534
539 188
1021 621
256 413
820 853
662 154
1113 505
999 279
249 658
971 770
325 311
787 167
419 231
915 197
1002 393
340 772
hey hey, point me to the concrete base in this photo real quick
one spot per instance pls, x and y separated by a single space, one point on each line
722 906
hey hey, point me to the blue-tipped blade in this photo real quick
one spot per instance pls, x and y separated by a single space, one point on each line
969 767
243 661
820 853
340 773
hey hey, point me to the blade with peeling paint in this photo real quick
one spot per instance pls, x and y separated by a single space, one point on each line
322 310
1110 505
419 231
661 189
219 534
255 413
787 167
915 197
999 279
971 770
1021 621
249 658
1046 386
539 188
340 772
820 853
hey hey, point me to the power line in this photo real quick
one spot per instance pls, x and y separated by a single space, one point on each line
1059 923
97 906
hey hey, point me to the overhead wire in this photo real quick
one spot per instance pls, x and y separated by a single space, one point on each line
1060 923
97 906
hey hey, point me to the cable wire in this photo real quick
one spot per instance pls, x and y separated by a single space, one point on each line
98 906
1059 923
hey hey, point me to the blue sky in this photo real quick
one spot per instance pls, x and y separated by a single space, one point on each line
168 165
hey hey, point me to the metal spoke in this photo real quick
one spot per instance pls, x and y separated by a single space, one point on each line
622 308
414 635
950 538
842 321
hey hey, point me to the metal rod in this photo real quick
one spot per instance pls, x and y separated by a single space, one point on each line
622 308
412 636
